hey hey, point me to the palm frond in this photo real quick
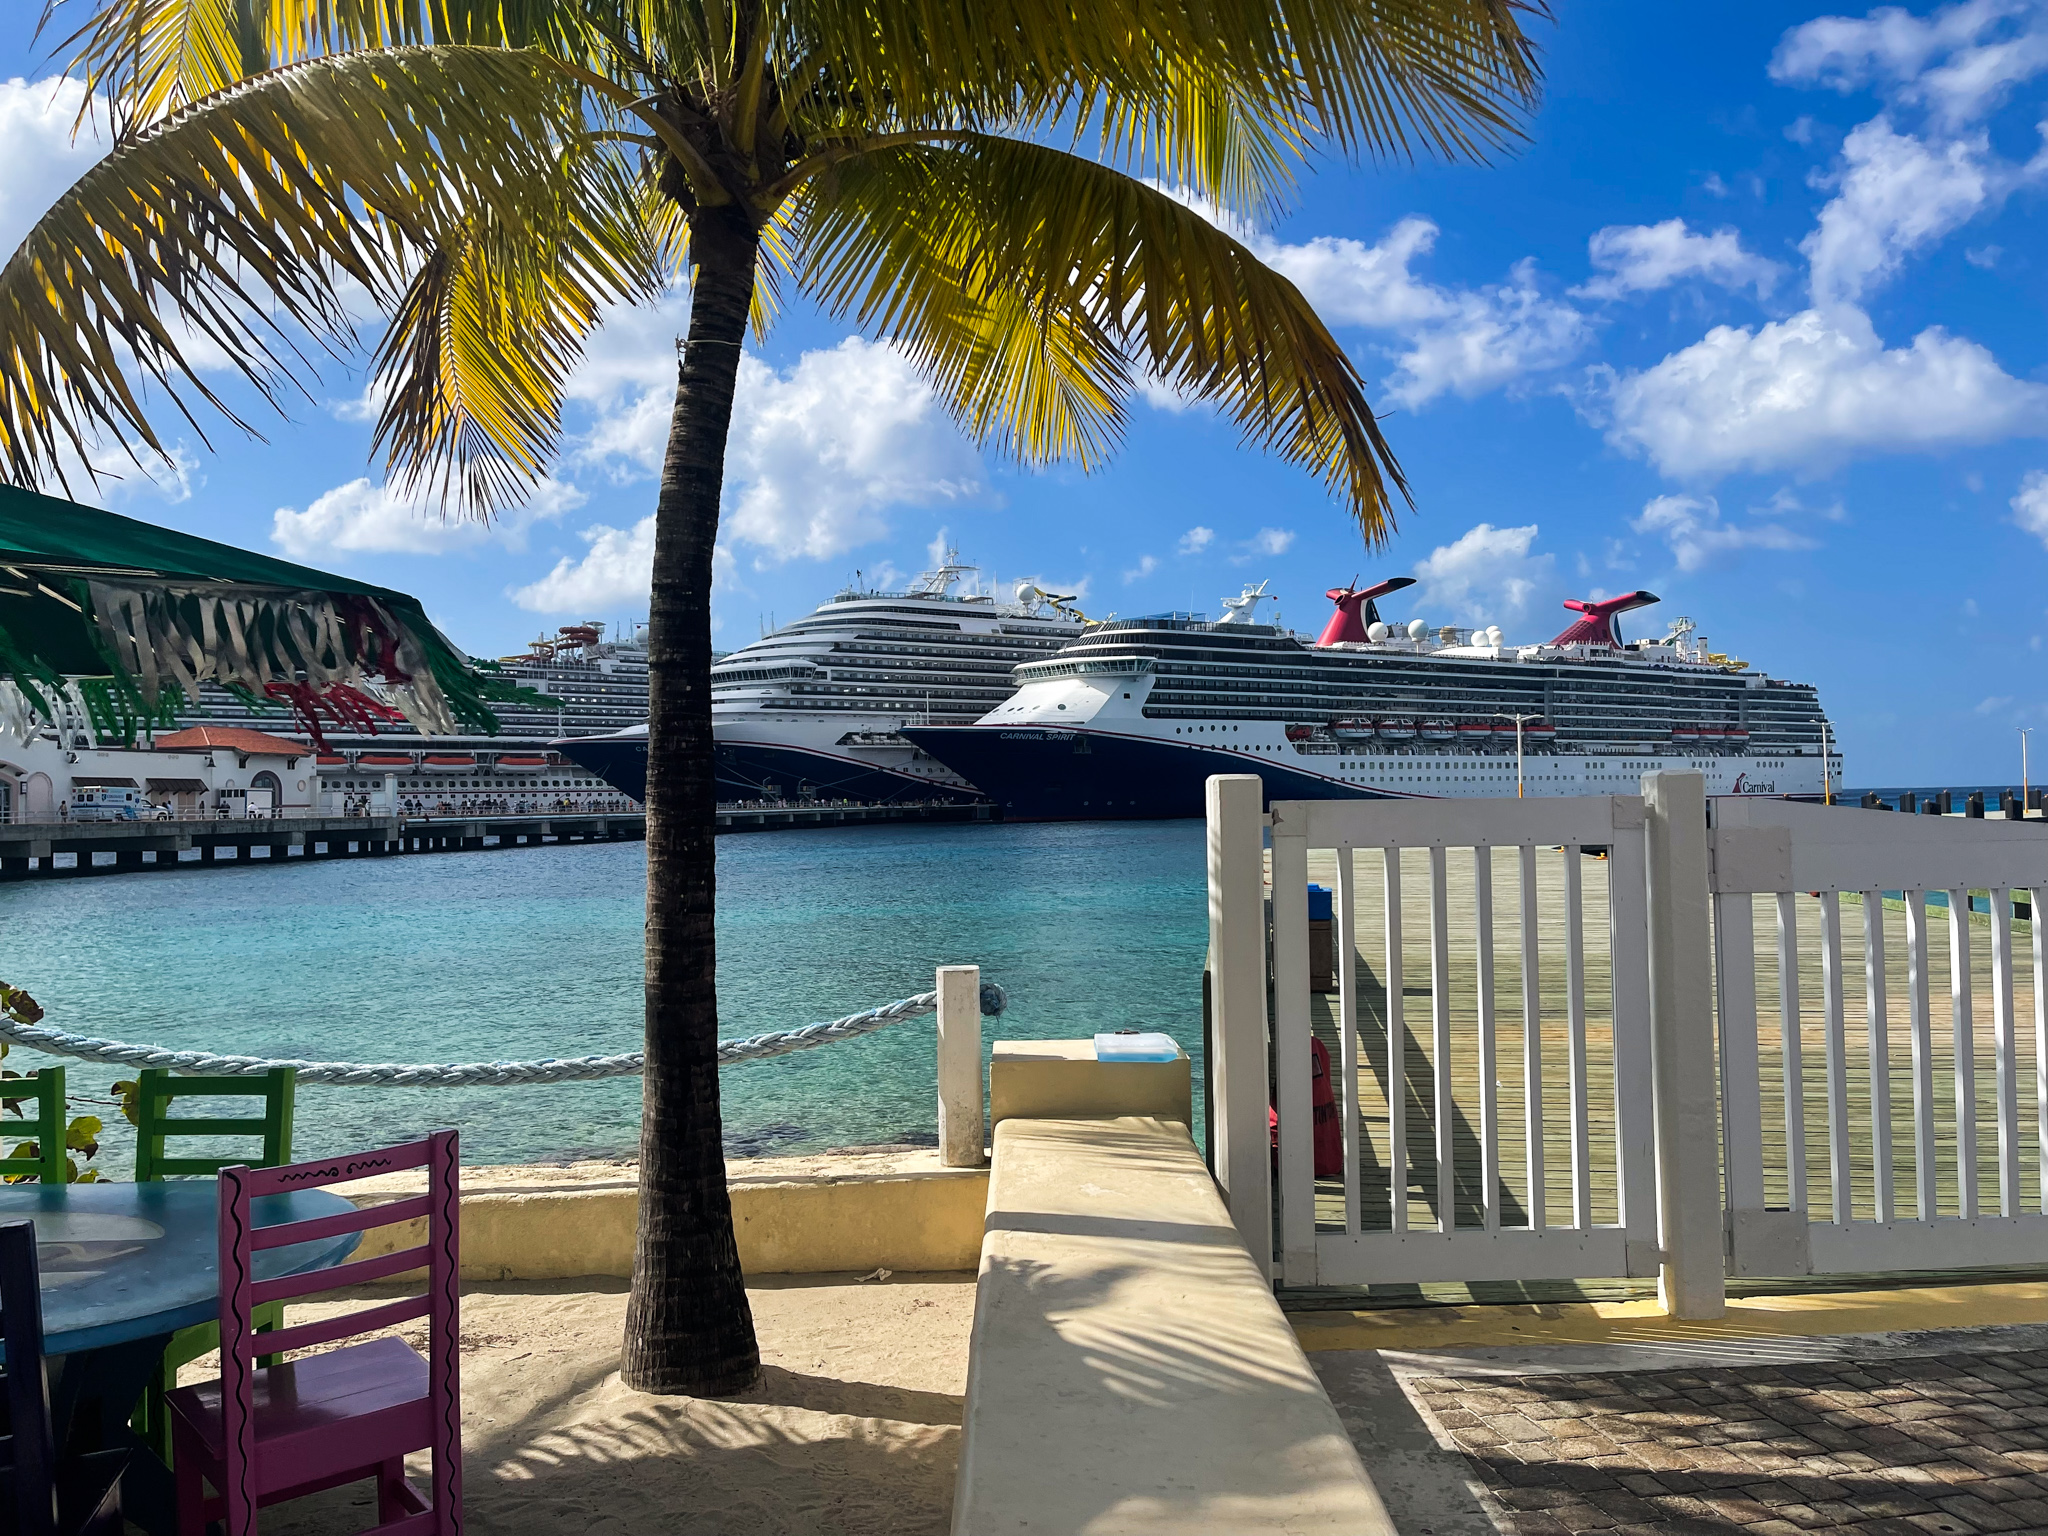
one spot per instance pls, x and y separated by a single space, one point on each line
1205 134
227 227
1099 268
156 56
472 367
1387 78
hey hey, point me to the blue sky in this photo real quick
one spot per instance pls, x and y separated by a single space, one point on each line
1755 320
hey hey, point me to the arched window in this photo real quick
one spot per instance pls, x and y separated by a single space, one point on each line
266 795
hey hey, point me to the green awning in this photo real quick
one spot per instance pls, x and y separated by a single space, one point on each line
136 617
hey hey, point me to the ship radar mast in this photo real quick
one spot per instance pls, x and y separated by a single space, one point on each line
1244 609
940 582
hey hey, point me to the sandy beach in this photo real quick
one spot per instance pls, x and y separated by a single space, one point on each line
852 1429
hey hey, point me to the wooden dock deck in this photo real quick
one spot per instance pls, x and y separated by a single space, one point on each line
1551 1045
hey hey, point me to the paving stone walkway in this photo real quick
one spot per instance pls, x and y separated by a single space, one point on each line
1934 1445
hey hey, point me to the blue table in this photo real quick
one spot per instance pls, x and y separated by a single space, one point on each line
122 1262
125 1266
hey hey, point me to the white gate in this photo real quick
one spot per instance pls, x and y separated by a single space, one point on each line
1514 1027
1846 1149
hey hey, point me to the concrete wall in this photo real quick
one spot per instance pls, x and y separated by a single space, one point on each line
1061 1079
898 1211
793 1216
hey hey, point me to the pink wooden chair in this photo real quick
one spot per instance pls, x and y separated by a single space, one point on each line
261 1435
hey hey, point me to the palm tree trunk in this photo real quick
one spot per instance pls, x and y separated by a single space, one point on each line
689 1328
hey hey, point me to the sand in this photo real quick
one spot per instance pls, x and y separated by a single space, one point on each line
853 1428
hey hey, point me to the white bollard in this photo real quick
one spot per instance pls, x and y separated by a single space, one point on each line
1691 1283
960 1090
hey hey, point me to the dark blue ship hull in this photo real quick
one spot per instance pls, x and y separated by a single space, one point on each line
621 761
751 772
1043 775
746 770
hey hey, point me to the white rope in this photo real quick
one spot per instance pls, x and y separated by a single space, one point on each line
472 1074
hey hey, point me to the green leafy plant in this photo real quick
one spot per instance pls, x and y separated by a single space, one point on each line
81 1136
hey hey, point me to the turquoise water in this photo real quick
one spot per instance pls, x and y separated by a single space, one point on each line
537 952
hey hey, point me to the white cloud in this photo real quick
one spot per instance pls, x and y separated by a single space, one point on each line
1146 565
1985 256
1352 283
1493 336
1641 258
1810 392
1895 194
1462 341
39 159
817 455
1487 574
2030 505
1196 539
1692 526
618 568
365 517
1162 396
1960 61
1993 705
1267 543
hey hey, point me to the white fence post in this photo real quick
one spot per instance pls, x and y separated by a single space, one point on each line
960 1098
1691 1280
1238 1136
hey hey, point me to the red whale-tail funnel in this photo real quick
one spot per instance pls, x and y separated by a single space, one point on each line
1355 610
1597 627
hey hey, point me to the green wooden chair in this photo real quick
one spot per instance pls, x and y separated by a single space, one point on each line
154 1125
46 1087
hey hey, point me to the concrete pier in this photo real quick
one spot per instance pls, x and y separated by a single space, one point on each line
31 849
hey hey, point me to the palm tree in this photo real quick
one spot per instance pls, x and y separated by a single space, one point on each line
978 181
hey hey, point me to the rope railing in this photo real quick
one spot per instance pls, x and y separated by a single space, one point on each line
475 1074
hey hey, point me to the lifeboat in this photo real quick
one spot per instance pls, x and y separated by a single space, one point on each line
518 764
437 764
1300 732
1395 728
1505 729
1685 735
1737 735
1712 735
1540 733
387 763
1475 733
1354 729
1439 730
332 762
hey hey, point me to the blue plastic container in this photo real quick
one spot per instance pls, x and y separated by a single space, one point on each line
1321 904
1136 1045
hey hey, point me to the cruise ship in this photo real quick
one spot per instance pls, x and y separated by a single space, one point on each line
590 685
819 708
1133 717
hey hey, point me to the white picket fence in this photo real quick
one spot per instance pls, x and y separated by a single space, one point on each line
1696 1119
